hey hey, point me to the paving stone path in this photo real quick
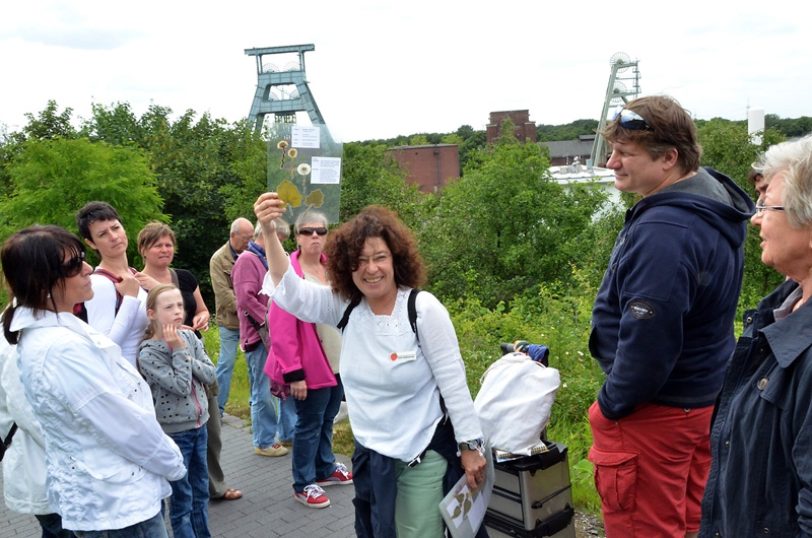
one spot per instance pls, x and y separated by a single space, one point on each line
267 509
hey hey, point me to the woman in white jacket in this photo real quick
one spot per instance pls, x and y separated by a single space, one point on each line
108 461
24 460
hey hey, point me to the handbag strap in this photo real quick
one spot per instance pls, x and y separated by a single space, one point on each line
7 440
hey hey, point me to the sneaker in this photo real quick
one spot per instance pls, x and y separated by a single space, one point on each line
340 477
273 451
312 496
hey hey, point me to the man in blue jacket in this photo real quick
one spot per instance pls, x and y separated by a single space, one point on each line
662 323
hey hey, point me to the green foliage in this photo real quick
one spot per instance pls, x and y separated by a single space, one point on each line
569 131
789 127
370 177
49 124
504 227
557 316
207 171
52 179
727 147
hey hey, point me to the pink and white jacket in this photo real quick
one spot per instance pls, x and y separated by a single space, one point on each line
296 353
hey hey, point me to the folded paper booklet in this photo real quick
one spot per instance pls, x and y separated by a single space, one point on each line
463 510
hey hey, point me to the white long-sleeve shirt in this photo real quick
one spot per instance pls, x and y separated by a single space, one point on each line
392 382
125 328
108 460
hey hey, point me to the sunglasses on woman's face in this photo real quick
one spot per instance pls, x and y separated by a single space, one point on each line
73 266
311 231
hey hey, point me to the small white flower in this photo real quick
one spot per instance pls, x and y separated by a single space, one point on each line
303 169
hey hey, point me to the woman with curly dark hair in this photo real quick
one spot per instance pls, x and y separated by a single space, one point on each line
405 385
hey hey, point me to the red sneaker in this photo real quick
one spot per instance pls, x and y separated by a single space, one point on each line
340 477
312 496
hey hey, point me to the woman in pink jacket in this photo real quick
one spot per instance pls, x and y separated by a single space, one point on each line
304 356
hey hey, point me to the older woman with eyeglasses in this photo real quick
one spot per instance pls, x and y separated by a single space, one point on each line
108 460
761 474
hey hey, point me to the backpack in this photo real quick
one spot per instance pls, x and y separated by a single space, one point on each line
515 401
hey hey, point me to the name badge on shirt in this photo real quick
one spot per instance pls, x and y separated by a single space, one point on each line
402 356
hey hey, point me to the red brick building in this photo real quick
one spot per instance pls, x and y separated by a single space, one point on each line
430 167
525 129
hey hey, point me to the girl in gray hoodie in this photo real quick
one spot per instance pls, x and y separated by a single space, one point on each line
174 363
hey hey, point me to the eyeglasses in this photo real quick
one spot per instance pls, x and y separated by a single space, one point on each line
761 208
631 120
311 231
377 259
73 266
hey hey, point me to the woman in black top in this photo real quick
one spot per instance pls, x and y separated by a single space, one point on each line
156 244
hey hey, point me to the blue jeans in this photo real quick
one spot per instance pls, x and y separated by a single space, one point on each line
189 504
313 456
264 421
287 419
154 527
229 339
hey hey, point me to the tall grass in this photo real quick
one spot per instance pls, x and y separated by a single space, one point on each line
559 319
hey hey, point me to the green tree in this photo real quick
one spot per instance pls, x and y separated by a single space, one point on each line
505 226
370 177
52 179
727 147
49 124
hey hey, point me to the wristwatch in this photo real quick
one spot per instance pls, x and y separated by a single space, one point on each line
473 444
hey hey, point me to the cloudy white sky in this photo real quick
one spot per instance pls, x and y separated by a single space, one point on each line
384 68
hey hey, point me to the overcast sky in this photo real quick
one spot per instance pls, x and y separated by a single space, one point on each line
385 68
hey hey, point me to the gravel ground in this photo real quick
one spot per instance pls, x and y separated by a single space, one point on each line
588 526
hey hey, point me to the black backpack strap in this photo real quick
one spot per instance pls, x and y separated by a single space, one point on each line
410 307
412 311
346 317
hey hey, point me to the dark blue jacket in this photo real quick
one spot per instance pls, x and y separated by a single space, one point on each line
760 483
662 323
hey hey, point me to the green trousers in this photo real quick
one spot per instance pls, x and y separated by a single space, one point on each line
420 490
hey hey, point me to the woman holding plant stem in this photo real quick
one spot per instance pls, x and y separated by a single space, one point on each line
406 447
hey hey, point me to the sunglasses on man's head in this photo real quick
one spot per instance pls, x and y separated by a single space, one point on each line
631 120
73 266
311 231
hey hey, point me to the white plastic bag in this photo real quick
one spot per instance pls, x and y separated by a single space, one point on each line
515 401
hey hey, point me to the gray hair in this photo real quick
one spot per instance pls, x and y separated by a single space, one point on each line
282 229
309 216
235 226
794 159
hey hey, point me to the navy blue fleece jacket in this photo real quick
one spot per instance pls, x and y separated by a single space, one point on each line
662 323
